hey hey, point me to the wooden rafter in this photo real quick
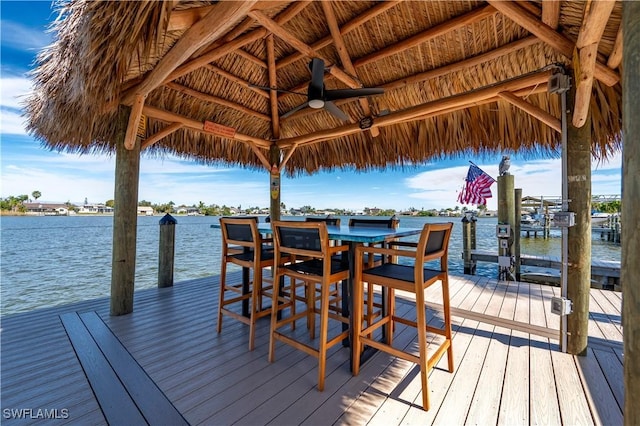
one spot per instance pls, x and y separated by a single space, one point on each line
183 19
562 44
273 82
341 47
595 20
615 59
376 10
532 110
134 121
160 135
551 13
171 117
216 100
219 50
447 69
420 111
212 26
286 158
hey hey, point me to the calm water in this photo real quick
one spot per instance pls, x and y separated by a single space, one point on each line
46 261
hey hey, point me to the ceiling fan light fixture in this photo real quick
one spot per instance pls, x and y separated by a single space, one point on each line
316 103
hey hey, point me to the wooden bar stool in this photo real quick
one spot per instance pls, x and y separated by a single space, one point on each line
243 245
433 245
309 242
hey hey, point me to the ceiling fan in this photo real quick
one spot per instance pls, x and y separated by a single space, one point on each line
319 97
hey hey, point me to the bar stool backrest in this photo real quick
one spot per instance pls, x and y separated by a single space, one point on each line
391 223
239 231
331 221
301 238
434 243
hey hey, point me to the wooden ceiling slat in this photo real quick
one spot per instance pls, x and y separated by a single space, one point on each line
236 79
558 41
202 32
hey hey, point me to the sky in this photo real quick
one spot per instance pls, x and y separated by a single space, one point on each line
25 166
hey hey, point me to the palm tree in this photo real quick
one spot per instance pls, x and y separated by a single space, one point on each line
36 194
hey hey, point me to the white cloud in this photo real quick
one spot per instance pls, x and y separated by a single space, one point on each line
21 37
11 123
13 91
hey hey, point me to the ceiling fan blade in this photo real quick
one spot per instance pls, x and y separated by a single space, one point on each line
296 109
334 95
316 86
333 109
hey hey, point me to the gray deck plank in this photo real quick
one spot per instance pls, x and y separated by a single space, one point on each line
171 334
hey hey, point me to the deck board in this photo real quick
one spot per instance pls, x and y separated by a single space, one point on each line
501 375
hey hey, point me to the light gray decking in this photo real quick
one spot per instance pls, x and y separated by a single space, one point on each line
502 376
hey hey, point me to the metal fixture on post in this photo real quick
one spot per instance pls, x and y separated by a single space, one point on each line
560 83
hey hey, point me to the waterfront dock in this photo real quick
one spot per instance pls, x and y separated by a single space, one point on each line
605 274
508 368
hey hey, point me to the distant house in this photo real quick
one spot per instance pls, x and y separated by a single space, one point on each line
145 210
95 209
46 209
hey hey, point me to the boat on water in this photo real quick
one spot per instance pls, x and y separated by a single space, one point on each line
527 219
599 218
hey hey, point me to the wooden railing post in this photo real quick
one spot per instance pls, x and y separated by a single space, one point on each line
166 251
516 232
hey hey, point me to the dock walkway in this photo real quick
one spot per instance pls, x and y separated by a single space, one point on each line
508 367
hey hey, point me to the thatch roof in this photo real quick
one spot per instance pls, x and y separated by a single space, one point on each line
453 73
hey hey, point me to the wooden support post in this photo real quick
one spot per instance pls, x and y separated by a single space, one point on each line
166 251
517 196
631 210
274 159
506 210
467 241
579 235
125 219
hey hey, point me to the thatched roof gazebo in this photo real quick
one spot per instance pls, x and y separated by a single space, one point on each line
230 83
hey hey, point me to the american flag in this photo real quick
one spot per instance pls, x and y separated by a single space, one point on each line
477 188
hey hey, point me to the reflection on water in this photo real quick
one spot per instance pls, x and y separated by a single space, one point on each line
55 260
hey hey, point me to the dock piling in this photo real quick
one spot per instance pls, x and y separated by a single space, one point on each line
166 251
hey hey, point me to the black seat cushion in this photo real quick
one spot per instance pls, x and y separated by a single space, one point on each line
265 254
314 267
400 272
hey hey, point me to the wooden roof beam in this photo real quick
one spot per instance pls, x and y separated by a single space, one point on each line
134 120
160 135
376 10
216 100
595 20
223 48
341 47
615 59
532 110
273 96
562 44
212 26
171 117
447 69
451 103
551 13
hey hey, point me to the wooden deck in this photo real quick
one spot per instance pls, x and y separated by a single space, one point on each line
508 367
